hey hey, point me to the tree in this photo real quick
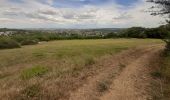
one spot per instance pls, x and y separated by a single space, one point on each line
162 7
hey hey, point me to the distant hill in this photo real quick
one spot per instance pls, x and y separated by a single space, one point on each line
108 29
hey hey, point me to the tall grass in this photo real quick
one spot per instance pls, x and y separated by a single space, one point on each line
66 63
161 85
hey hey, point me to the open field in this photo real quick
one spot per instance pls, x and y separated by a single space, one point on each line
53 70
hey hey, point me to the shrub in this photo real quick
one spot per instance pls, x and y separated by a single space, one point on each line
33 72
19 38
29 42
8 43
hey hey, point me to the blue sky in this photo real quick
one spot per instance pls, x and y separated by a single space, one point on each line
75 3
80 3
75 14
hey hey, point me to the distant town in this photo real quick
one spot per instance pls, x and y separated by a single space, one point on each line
64 32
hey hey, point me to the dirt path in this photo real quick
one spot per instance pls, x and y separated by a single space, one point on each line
124 77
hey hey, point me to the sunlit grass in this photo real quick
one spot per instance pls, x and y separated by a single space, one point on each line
68 49
54 66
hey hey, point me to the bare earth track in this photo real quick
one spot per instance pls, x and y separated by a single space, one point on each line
125 76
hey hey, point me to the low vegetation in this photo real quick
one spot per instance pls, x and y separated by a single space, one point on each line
30 92
103 86
6 42
165 74
50 70
161 74
33 72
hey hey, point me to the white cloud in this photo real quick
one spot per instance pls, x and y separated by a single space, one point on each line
31 13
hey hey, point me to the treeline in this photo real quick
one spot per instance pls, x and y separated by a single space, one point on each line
7 29
140 32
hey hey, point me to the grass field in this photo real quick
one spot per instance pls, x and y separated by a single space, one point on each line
50 69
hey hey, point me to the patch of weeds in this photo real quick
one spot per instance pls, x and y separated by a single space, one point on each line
4 75
122 66
33 72
156 74
75 71
167 91
31 91
103 86
59 55
89 61
38 55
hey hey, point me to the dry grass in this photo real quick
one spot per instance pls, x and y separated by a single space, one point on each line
66 63
161 75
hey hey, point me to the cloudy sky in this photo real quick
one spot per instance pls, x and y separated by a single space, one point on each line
76 14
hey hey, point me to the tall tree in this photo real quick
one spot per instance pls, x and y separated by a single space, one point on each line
162 7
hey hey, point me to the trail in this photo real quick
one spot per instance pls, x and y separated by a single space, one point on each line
124 77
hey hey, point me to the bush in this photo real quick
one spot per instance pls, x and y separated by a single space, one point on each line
167 40
8 43
29 42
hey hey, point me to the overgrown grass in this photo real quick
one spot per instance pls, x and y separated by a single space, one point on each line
103 86
165 73
61 62
69 49
33 72
162 76
30 92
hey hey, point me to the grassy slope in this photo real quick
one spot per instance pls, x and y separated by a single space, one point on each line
55 61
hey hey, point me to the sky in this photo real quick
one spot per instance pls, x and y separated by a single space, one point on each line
76 14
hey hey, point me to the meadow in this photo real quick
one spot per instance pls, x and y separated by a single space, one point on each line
51 69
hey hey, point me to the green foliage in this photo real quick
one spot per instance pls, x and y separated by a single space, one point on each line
139 32
111 35
167 38
134 32
33 72
29 42
8 43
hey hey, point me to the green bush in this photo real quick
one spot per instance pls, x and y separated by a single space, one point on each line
29 42
19 38
8 43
